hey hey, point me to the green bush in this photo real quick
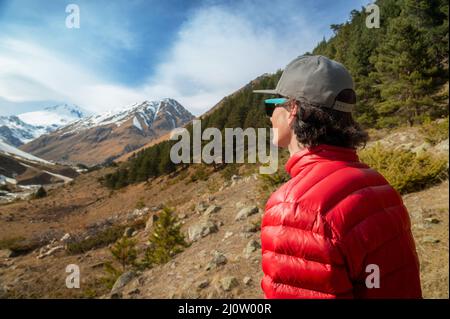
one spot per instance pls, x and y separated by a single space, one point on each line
404 170
101 239
435 132
200 174
229 170
124 251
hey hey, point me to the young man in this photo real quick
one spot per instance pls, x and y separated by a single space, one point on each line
336 229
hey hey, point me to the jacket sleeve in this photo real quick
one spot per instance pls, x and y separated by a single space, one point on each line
300 258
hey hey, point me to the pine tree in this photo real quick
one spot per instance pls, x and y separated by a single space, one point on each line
403 72
124 251
166 239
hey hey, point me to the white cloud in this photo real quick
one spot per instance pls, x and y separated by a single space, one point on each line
31 72
218 50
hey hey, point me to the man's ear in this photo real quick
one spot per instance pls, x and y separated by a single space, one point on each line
293 110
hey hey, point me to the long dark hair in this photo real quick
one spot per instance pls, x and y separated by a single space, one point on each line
316 125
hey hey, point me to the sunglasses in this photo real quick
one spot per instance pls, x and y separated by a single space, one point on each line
271 104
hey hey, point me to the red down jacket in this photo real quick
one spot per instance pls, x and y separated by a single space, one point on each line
331 220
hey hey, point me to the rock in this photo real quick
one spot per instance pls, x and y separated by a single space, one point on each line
181 216
201 207
235 178
217 260
116 295
49 252
430 240
122 281
98 265
203 284
250 228
442 147
128 232
228 234
6 253
135 291
212 209
251 247
432 220
151 220
66 238
202 229
247 280
229 282
239 205
173 265
246 212
134 233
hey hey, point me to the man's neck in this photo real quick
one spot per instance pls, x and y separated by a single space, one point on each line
294 146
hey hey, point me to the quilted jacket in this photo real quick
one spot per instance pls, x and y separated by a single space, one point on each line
337 229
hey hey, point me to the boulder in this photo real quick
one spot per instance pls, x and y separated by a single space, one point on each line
50 251
251 247
66 238
212 209
203 284
201 207
202 229
122 281
246 212
6 253
229 282
151 220
217 260
247 280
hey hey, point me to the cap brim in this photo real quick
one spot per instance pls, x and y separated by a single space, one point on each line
266 91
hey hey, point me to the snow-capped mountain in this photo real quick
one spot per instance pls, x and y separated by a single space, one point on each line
23 128
142 114
103 137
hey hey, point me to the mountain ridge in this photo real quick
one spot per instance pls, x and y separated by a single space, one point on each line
101 138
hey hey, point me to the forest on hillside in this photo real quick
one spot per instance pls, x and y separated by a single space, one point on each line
400 72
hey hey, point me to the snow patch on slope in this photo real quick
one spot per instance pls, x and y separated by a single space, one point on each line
15 152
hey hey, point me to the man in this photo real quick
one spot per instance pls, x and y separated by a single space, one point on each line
336 229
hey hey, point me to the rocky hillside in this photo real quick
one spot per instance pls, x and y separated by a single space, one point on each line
102 138
219 216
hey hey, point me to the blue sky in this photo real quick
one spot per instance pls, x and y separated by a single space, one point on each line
126 51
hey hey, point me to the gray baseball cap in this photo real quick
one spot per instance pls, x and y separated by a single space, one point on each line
316 79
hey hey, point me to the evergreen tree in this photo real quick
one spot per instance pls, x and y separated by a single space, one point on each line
403 72
166 239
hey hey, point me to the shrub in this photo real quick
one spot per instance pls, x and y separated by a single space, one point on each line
124 251
200 174
404 170
166 239
111 275
101 239
435 132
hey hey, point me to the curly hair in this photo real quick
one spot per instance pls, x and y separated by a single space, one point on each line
316 125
